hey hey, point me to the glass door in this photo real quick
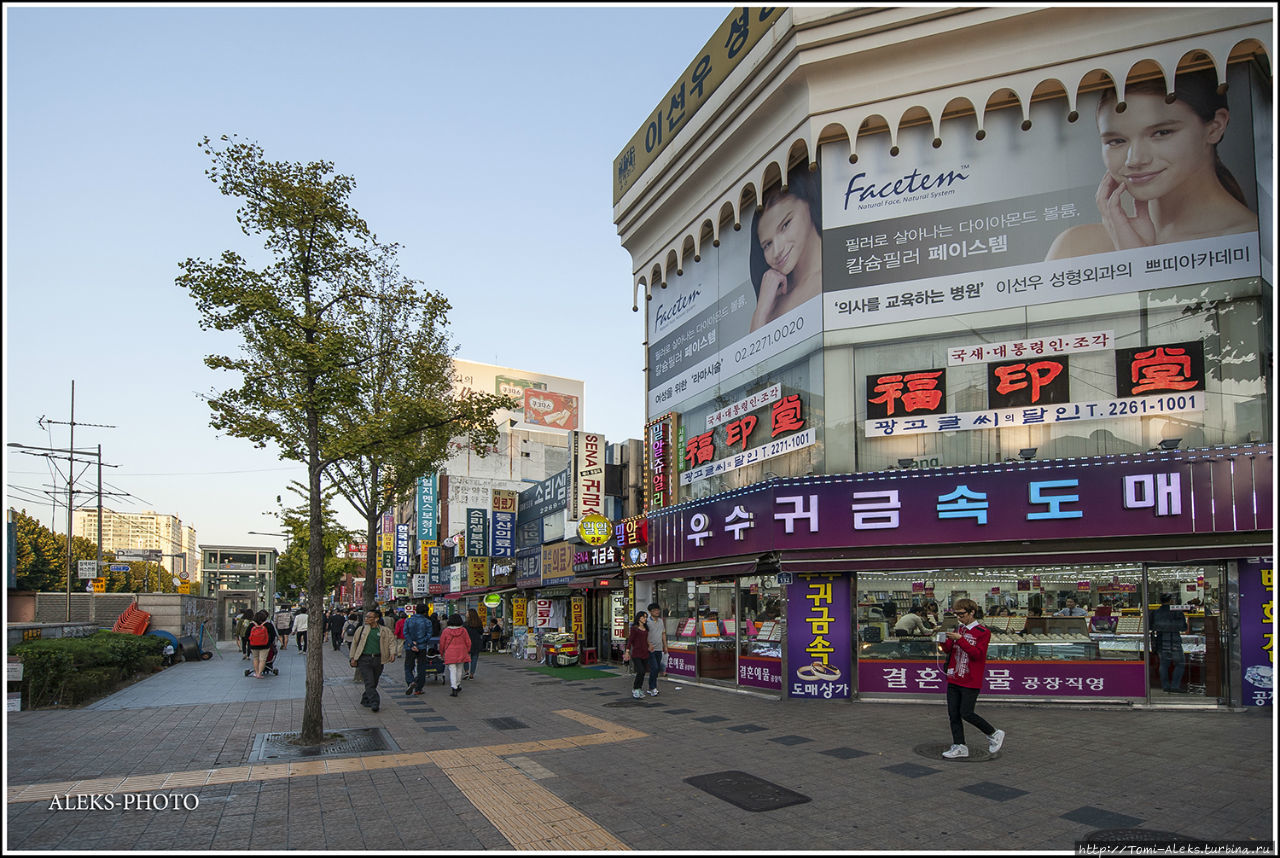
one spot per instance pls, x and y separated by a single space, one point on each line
1186 635
716 630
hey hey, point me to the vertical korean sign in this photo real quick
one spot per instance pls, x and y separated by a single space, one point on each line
477 539
819 642
1257 640
587 492
427 498
504 523
577 616
659 480
401 575
435 578
519 613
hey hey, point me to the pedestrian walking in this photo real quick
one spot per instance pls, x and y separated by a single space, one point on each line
966 649
637 651
417 640
300 625
349 630
495 634
337 620
1167 628
455 648
262 637
475 629
371 650
657 645
242 631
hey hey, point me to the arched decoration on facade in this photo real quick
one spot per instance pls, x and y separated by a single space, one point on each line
688 250
1018 90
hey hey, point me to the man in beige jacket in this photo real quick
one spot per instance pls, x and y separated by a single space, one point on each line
372 648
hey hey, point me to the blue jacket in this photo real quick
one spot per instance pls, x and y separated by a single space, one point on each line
417 630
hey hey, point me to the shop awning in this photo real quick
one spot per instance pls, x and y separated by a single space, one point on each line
706 570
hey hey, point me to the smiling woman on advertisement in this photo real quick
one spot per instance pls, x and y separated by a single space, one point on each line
1162 163
786 248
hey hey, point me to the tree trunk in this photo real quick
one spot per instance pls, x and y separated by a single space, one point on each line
312 717
373 555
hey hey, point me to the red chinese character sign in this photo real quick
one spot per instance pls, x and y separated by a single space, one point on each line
903 393
1149 370
777 427
1031 381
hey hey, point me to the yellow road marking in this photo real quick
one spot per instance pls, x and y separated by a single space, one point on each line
530 816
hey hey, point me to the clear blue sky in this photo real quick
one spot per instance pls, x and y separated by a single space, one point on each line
482 139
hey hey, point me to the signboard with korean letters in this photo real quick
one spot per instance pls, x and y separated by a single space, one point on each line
1135 495
751 430
1032 385
1010 220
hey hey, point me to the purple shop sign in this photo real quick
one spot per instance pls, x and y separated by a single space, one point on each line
760 672
1109 496
1257 646
1029 678
682 663
819 637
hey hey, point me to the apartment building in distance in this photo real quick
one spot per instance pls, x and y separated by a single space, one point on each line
149 529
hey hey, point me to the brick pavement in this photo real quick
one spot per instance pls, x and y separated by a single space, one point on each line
583 774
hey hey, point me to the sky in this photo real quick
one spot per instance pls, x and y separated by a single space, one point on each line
481 139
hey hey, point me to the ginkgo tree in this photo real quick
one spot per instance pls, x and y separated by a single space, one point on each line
305 360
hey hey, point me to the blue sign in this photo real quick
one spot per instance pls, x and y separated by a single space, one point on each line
504 534
119 567
427 509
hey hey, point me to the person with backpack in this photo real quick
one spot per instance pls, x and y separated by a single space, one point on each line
262 637
242 631
337 620
417 640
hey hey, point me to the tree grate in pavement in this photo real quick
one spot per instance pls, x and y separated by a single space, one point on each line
844 753
911 770
506 723
747 791
342 743
1099 818
995 792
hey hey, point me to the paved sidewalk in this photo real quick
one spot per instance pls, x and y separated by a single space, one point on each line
523 760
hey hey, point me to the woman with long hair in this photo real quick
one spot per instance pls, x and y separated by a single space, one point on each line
786 248
475 629
1161 160
637 651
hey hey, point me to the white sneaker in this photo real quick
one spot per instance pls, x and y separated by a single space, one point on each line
652 692
956 752
997 741
636 693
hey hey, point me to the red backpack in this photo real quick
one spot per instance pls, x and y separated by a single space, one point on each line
258 635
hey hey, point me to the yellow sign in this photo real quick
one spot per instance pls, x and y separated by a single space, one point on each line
99 585
739 33
577 610
477 571
595 529
182 588
519 618
388 542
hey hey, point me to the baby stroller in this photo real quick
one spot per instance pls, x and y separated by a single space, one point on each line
434 664
270 666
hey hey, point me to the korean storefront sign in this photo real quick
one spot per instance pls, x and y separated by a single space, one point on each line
557 563
1031 347
744 27
427 500
595 530
577 616
477 571
659 459
1138 495
819 640
919 232
504 523
435 578
519 612
592 559
401 578
586 464
1257 639
782 429
1162 369
632 536
477 543
1032 678
529 568
549 496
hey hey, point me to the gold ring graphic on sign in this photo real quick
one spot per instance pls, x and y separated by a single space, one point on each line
819 671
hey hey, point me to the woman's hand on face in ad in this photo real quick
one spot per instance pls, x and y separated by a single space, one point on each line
1125 232
773 286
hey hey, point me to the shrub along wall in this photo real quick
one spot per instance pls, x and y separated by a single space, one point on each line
72 671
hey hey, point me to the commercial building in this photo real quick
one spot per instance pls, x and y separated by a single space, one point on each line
951 303
147 530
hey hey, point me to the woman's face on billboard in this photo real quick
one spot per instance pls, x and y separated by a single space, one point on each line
1153 147
786 233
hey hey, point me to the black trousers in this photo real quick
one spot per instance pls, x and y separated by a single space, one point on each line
960 703
641 667
301 638
337 639
370 667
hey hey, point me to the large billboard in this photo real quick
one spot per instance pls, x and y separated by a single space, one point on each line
755 296
1158 194
565 393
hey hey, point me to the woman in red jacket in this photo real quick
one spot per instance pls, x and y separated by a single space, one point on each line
966 649
637 651
455 649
